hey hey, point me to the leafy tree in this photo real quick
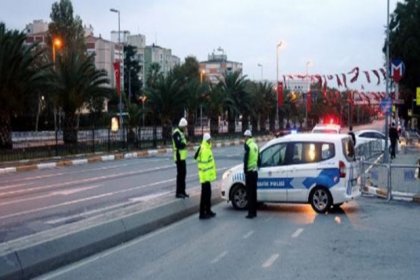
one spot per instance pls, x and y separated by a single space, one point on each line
77 83
166 99
233 86
132 83
20 77
263 100
404 40
215 101
66 26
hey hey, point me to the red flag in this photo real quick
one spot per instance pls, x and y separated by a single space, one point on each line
377 76
367 76
279 94
338 80
117 75
344 80
356 74
308 101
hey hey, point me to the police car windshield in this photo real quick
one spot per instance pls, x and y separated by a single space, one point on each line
325 130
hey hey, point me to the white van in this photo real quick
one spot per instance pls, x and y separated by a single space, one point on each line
300 168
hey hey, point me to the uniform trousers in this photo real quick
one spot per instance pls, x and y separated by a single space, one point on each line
181 174
205 201
251 178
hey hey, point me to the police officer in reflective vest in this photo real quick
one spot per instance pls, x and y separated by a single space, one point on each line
179 147
206 174
251 173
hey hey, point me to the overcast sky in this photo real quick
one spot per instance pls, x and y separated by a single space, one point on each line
335 35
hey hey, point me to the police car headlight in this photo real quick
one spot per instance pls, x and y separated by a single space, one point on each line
226 174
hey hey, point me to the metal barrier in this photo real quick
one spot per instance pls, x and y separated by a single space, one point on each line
390 180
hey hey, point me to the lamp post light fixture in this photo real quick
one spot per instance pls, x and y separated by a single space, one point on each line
278 46
56 44
262 71
121 55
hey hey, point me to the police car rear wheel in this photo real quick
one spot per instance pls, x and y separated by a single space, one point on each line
238 197
320 199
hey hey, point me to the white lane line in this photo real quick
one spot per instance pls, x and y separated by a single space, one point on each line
219 257
63 192
269 262
103 209
268 219
248 234
297 233
31 211
87 180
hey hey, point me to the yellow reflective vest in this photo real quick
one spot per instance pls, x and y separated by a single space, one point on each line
183 152
251 155
206 163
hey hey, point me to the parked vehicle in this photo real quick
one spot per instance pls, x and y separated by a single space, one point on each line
300 168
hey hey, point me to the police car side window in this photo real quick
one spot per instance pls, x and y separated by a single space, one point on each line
327 151
273 156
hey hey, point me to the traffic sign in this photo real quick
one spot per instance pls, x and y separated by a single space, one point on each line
397 69
386 105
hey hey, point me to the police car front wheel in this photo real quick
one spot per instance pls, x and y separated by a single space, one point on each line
238 197
320 199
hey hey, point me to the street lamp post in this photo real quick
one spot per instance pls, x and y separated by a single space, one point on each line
202 73
119 43
278 46
262 67
56 44
308 63
386 153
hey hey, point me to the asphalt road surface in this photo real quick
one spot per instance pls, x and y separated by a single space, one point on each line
35 201
368 238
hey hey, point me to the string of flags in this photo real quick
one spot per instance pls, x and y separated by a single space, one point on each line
342 78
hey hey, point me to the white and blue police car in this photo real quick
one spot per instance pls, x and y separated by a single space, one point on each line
320 169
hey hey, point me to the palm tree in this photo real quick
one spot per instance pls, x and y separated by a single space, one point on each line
233 86
263 100
166 99
215 101
77 83
20 77
195 92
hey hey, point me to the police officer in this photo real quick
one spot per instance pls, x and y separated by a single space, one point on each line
251 173
351 133
179 147
206 175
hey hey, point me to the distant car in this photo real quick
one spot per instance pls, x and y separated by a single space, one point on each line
327 128
364 136
300 168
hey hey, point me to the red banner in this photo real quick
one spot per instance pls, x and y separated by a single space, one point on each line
279 94
309 101
117 75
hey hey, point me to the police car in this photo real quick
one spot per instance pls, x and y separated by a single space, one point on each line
326 128
300 168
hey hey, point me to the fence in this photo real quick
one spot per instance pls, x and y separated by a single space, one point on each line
400 178
47 144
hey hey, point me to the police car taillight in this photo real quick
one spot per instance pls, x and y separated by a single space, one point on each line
342 167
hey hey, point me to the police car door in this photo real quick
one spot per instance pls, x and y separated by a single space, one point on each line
302 167
271 184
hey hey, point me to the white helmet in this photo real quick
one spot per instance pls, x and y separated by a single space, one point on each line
206 136
183 123
248 133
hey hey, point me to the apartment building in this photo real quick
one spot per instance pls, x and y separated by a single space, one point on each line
217 65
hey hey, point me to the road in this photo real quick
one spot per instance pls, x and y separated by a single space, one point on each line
36 201
368 239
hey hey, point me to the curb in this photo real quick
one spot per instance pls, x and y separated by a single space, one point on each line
62 162
34 255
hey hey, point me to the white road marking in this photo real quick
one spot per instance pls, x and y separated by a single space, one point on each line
148 197
219 257
64 192
248 234
269 262
297 233
83 199
87 180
